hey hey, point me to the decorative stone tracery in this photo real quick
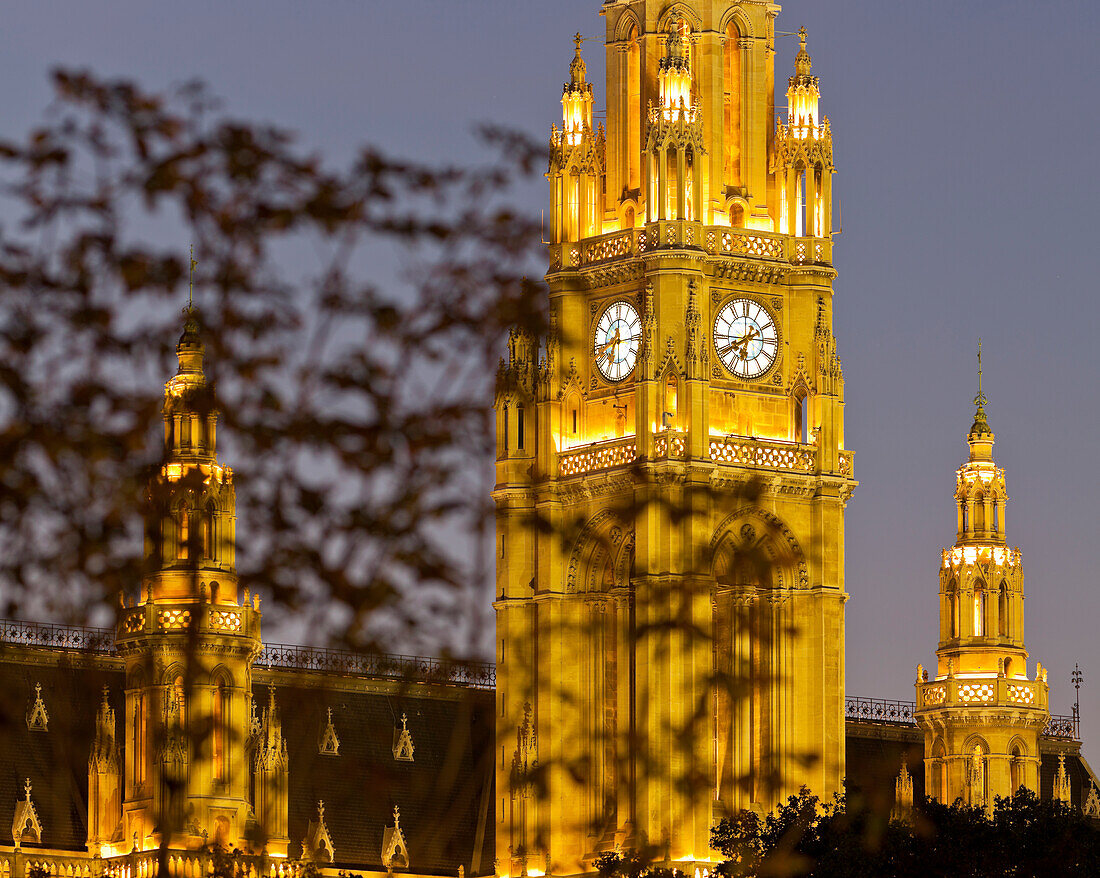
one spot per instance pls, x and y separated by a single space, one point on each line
37 718
26 828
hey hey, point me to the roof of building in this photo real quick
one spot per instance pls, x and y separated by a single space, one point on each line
444 793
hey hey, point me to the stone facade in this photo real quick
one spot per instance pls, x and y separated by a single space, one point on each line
672 472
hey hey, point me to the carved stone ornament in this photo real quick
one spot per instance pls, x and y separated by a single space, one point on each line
26 828
395 852
317 845
1092 802
403 748
330 743
37 718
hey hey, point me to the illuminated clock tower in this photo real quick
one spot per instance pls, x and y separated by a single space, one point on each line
980 713
671 467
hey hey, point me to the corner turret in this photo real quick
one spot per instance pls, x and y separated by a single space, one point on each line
982 715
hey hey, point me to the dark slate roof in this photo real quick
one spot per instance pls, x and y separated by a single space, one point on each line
873 757
444 794
56 760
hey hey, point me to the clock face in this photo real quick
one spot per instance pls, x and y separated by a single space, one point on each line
746 338
618 339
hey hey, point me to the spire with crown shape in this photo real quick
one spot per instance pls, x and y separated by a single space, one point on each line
674 75
802 62
577 69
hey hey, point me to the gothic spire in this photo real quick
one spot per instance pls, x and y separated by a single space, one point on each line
802 62
577 69
980 426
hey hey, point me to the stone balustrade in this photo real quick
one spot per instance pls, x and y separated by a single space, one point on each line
715 241
606 454
978 691
168 618
765 454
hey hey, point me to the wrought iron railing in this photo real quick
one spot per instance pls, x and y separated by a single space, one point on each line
413 668
1068 727
97 640
881 710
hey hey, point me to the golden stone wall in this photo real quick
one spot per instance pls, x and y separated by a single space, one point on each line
670 503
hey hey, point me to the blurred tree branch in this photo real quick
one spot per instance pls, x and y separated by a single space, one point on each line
356 413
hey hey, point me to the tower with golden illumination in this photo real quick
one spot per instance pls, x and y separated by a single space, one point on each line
981 714
671 467
189 642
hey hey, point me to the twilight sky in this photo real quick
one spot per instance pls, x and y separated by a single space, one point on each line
965 138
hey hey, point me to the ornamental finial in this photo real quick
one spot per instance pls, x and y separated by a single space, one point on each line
802 62
980 424
577 69
191 278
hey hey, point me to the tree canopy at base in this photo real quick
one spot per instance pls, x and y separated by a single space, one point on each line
1022 838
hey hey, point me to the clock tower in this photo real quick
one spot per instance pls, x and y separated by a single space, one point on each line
671 465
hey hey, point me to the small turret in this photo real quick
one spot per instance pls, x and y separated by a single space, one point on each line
104 781
674 75
576 98
271 779
576 160
188 643
973 754
803 158
674 144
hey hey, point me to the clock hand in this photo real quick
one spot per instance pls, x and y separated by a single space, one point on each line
743 343
612 343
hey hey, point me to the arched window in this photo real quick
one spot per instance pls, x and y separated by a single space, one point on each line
1016 770
953 609
140 737
801 418
208 531
506 428
939 773
1008 667
519 428
184 531
178 696
221 731
634 111
1002 611
731 108
977 772
979 611
670 401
